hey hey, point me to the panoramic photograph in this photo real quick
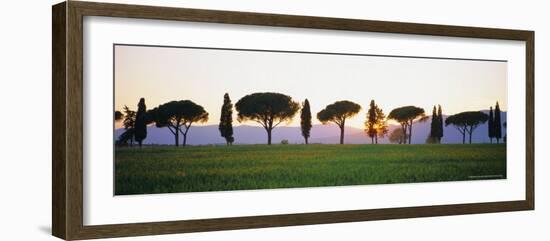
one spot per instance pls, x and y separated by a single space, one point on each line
191 119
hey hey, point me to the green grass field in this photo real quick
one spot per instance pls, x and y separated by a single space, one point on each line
219 168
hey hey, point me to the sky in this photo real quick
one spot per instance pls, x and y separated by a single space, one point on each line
163 74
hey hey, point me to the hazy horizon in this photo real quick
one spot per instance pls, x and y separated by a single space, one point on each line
162 74
255 124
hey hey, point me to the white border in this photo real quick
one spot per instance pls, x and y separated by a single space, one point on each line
100 207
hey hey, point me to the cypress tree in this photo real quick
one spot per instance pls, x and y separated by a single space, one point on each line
440 122
497 124
381 124
434 126
226 120
129 124
491 125
140 132
370 124
305 120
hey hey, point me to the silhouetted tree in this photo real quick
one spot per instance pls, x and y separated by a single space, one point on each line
226 120
337 113
305 120
129 123
434 127
497 124
381 124
440 133
178 115
466 122
491 125
406 116
129 118
140 130
118 115
268 109
375 125
370 123
396 136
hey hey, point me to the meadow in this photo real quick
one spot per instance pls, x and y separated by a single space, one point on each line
168 169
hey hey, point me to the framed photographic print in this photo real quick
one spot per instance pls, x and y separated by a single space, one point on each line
171 120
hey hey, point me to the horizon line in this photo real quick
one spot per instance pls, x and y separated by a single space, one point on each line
259 126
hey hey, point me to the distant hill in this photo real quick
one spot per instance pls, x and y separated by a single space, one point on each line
326 134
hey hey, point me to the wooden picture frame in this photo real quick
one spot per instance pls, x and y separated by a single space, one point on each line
67 152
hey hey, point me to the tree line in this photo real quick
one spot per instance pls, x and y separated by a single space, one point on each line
270 109
467 122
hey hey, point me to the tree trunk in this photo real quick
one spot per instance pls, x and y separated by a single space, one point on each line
470 137
464 137
306 140
376 139
372 140
140 143
410 131
184 133
404 138
342 135
498 140
177 137
269 136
